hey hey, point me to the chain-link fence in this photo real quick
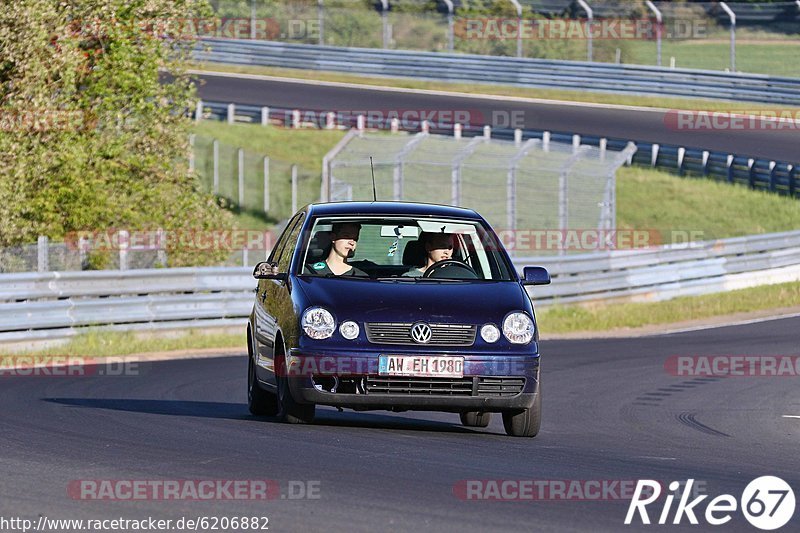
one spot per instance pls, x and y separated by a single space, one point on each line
519 187
765 37
253 182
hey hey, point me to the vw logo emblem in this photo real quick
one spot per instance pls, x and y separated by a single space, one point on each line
421 333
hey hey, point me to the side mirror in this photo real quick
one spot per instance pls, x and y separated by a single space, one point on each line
266 270
536 276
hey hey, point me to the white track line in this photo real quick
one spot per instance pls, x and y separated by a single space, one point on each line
791 416
731 324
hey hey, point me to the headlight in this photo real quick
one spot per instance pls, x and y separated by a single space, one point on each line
349 330
490 333
318 323
518 328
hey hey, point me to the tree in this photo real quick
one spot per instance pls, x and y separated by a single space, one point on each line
91 137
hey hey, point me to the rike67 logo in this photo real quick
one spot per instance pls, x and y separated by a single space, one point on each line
767 502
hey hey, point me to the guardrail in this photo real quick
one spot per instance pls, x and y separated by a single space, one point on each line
576 75
57 305
756 173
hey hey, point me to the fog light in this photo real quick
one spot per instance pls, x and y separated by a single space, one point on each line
490 333
349 330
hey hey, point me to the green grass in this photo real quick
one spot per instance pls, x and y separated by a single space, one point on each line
95 343
575 318
654 200
776 58
501 90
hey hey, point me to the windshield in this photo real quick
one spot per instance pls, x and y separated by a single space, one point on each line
403 249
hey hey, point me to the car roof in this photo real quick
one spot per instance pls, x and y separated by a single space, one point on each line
391 208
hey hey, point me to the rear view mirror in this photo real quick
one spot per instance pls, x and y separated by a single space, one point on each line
534 275
267 270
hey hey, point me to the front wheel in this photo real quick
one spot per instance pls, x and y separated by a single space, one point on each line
525 422
475 419
259 401
289 410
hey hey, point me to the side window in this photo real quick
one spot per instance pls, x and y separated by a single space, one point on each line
277 252
285 259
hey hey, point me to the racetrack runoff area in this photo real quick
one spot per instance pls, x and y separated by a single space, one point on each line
520 186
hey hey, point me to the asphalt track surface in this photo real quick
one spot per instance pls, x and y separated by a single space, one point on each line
643 125
611 412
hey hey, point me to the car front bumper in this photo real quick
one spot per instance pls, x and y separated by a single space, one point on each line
491 383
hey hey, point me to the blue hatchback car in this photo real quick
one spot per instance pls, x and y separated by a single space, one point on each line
394 306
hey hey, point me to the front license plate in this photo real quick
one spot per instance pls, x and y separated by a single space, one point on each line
423 366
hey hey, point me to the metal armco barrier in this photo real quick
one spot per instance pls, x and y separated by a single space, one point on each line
587 76
56 305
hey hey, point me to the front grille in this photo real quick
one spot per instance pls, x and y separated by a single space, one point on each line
494 387
441 334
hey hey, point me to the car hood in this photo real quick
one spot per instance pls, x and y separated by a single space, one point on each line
408 301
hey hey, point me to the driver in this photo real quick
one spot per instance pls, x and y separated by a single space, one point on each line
344 239
438 247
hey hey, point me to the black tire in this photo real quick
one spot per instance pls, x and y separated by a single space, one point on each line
259 401
525 422
289 410
475 419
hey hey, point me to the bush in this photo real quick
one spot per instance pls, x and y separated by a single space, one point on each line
92 138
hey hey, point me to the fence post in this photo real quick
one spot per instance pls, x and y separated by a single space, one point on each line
546 141
215 187
487 132
161 238
385 22
321 20
360 123
451 25
252 20
231 113
772 184
266 185
603 148
792 172
245 256
330 121
751 164
198 111
576 143
681 157
191 152
706 155
590 15
732 16
654 154
240 164
511 195
294 189
83 252
517 137
730 168
265 116
518 7
296 119
659 22
123 239
42 255
562 207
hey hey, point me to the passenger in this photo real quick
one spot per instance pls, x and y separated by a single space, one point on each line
344 239
438 247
